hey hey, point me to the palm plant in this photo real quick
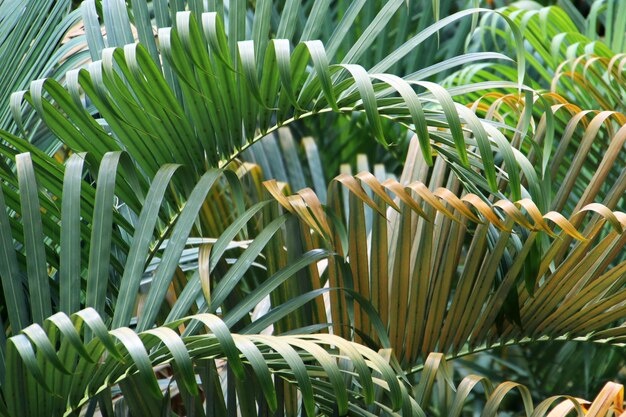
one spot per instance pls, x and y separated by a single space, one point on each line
154 248
577 113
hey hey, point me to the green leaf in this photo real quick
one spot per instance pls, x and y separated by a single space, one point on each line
101 233
169 262
36 267
71 266
137 256
14 297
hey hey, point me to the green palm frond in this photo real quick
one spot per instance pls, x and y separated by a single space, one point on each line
53 361
37 284
36 41
212 94
577 64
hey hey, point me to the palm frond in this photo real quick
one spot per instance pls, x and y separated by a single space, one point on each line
332 375
439 393
36 41
508 274
204 102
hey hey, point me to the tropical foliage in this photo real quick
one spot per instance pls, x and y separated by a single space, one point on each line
182 231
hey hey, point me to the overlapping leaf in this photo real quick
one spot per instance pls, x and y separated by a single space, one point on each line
213 97
333 375
510 271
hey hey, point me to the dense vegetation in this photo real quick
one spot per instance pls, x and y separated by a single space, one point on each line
351 207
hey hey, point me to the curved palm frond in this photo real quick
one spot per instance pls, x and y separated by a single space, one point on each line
575 367
579 151
36 284
450 274
575 63
355 379
36 41
438 393
213 94
332 375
